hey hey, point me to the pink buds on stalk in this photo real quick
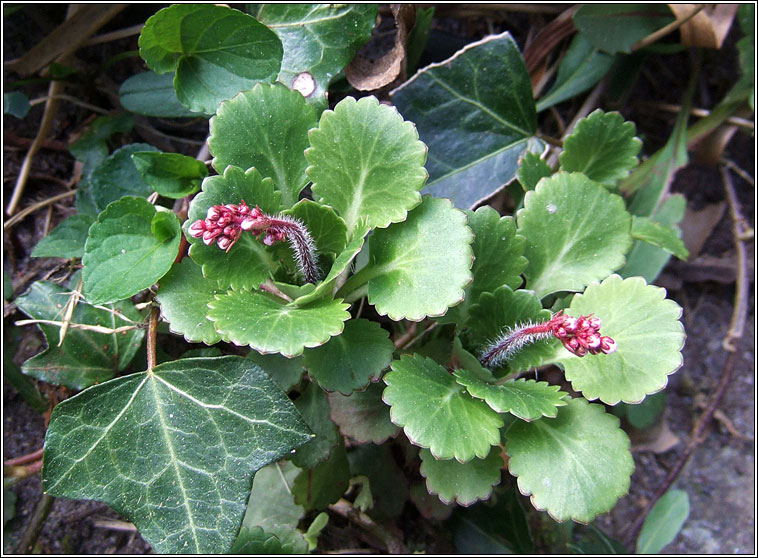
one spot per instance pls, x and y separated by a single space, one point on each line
224 224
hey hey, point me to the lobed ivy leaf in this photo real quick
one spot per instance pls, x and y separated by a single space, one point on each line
173 449
532 169
353 359
575 466
266 324
319 39
464 483
215 51
437 413
316 488
603 147
172 175
314 408
665 237
117 177
617 27
365 161
420 267
248 263
184 295
363 415
527 399
85 357
266 128
151 94
576 232
475 128
66 240
648 334
286 372
129 248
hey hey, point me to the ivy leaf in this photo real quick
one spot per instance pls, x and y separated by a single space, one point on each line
117 177
603 147
314 408
184 295
616 27
216 52
576 465
475 128
494 312
262 321
286 372
184 475
352 359
172 175
662 236
576 232
66 240
123 255
648 334
363 415
464 483
85 357
420 267
248 263
316 488
531 170
266 128
318 38
151 94
437 413
526 399
366 162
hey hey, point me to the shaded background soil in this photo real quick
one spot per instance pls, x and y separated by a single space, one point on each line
720 477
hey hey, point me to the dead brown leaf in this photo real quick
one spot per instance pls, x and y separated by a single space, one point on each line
697 226
709 27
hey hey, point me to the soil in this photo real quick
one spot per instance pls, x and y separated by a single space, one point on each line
719 478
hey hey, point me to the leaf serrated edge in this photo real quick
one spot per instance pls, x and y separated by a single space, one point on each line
455 499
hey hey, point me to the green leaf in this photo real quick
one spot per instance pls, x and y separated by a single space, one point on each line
25 386
420 267
602 146
662 236
429 505
172 175
532 169
173 449
595 541
316 488
266 128
117 177
314 530
256 541
616 27
318 38
363 415
464 483
576 232
388 482
286 372
314 408
648 334
575 466
16 104
351 360
526 399
505 308
122 255
151 94
476 128
248 263
437 413
66 240
184 295
581 68
85 357
418 37
664 522
216 52
329 231
366 162
262 321
643 415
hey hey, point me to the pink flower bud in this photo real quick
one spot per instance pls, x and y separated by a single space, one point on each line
593 341
607 345
213 213
224 242
595 323
197 228
210 236
570 324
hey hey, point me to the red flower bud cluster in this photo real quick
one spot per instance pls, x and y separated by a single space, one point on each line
581 335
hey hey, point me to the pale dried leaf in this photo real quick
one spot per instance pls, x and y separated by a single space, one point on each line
709 27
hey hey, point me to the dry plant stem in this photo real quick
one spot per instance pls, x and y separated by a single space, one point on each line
73 300
419 336
269 287
87 327
391 542
115 35
34 527
152 337
737 170
23 459
409 333
700 113
114 525
663 31
70 99
34 207
16 473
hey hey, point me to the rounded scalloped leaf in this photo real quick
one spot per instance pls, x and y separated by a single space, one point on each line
328 230
602 146
184 295
261 321
248 263
526 399
363 415
266 128
366 162
575 466
437 413
648 334
494 312
576 232
464 483
421 267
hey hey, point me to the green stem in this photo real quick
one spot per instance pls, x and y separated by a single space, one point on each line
356 282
